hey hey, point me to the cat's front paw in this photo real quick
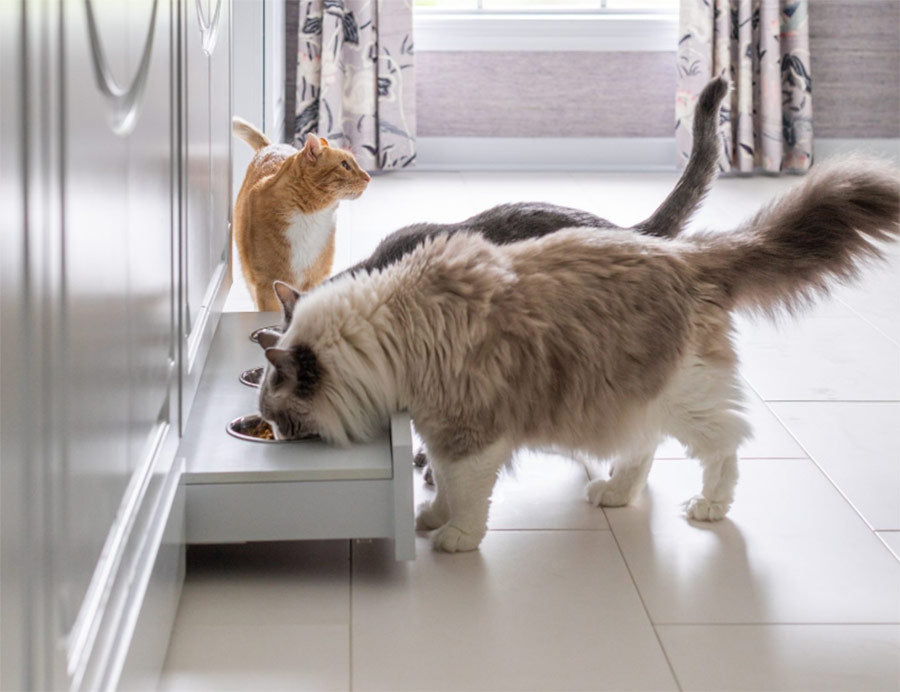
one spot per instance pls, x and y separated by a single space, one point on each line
601 494
428 517
452 539
701 509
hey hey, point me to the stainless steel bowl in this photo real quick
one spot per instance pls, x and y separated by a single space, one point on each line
254 335
239 427
252 377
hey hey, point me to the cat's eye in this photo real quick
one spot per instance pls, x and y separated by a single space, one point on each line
345 165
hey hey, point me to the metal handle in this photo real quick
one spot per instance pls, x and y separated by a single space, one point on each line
124 102
209 30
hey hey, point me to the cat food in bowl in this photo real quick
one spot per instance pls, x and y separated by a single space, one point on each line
252 377
254 335
252 428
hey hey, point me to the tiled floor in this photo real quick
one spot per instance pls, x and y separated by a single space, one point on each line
799 589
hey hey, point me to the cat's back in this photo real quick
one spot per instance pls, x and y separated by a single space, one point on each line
267 161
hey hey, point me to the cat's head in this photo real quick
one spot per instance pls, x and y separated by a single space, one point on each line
289 389
316 383
334 172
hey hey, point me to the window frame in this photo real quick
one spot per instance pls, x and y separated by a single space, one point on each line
541 30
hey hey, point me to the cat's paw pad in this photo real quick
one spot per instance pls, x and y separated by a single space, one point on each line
701 509
421 459
601 494
428 518
452 539
428 476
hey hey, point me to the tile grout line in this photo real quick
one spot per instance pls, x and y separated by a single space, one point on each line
643 603
350 614
779 624
824 473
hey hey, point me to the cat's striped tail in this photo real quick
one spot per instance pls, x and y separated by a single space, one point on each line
820 232
249 134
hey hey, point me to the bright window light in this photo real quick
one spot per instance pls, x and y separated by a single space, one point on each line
548 5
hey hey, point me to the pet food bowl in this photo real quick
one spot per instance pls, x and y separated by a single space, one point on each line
254 429
254 335
252 377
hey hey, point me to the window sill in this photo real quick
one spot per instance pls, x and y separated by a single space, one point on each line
545 32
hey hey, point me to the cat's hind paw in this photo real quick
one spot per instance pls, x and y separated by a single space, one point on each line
428 517
701 509
601 494
452 539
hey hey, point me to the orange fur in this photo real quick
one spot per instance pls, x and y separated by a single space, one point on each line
284 185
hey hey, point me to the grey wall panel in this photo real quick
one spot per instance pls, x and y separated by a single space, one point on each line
573 94
855 56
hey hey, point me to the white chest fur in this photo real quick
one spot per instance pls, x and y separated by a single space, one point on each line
307 235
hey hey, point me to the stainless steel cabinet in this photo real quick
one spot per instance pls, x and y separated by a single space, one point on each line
206 120
115 150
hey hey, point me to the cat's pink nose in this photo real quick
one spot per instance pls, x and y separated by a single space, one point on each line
366 176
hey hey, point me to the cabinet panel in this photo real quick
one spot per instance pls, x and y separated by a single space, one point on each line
198 196
113 348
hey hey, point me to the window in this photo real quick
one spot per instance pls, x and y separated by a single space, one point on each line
609 6
546 25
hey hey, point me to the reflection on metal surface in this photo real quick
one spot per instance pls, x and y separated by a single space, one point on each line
252 377
209 30
124 101
254 335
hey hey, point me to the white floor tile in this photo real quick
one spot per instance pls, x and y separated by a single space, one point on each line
263 616
858 445
546 610
831 357
257 657
784 657
877 297
541 492
891 540
791 551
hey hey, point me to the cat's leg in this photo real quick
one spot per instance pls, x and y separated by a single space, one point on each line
464 487
710 425
629 476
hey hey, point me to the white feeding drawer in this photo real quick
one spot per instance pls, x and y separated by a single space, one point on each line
241 490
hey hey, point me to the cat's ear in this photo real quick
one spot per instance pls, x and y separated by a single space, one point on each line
281 359
323 141
267 338
288 296
312 150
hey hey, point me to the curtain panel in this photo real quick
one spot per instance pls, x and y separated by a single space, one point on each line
355 83
762 47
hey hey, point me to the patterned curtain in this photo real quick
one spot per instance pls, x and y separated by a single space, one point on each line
355 83
762 46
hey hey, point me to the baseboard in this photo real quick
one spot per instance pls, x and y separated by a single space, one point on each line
546 153
882 148
152 623
591 153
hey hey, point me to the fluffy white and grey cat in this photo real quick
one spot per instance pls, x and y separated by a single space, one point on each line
587 341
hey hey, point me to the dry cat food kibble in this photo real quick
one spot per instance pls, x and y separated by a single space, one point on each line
261 429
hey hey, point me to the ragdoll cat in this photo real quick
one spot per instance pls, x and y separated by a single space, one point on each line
507 223
284 215
593 342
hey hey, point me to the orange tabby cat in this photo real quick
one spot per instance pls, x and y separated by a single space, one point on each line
285 213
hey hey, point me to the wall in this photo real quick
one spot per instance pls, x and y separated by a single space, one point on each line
855 50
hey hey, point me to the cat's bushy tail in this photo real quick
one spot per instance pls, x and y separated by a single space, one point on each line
672 215
825 229
256 139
